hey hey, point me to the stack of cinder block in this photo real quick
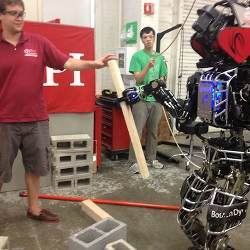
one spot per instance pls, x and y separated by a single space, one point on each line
72 161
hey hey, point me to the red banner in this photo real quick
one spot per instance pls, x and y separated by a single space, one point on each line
68 91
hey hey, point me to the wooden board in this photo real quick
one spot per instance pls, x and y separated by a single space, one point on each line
93 211
4 243
129 119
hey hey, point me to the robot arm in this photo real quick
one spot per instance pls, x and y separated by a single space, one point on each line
165 97
185 111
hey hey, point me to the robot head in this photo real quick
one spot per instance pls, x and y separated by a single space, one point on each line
220 36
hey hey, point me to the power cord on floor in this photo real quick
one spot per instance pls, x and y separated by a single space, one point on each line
177 144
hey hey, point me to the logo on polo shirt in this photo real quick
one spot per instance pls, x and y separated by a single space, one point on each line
30 52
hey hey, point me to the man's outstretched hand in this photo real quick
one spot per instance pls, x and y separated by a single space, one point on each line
102 62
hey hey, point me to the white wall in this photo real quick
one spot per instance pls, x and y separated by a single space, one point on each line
74 12
130 12
107 39
33 9
169 16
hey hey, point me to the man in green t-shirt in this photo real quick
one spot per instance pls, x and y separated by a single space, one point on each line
147 65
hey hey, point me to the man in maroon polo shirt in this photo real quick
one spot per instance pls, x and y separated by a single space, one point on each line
23 115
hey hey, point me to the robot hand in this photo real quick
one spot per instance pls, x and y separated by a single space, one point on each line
130 96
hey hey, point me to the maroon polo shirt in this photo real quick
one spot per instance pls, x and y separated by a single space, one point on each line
22 75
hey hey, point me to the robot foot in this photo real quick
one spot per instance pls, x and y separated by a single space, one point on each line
201 248
195 248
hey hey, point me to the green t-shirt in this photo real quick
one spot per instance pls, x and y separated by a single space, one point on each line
139 61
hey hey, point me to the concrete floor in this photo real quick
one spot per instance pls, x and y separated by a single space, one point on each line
148 229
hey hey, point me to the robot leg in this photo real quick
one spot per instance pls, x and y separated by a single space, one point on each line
226 211
195 193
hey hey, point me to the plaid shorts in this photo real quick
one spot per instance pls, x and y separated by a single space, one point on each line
33 140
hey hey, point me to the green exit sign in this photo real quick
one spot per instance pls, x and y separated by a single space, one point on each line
131 32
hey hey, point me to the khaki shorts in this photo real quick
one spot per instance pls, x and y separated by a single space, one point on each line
33 140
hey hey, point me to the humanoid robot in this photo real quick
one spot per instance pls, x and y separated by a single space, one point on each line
219 97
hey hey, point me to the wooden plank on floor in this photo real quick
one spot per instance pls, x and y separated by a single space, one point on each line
94 211
4 243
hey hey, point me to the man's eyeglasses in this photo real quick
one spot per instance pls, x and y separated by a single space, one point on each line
148 36
15 13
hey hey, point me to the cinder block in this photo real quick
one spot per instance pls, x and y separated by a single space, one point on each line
70 142
64 171
64 184
4 243
82 181
97 236
83 168
119 245
70 182
73 170
70 157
